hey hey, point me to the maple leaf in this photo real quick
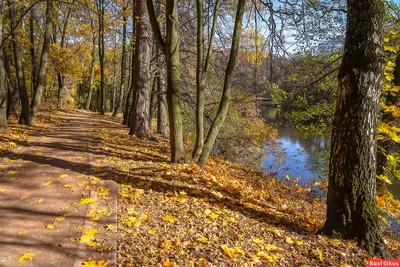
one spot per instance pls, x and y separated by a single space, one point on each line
90 263
27 256
64 175
289 240
88 236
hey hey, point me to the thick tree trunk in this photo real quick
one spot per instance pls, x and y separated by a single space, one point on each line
227 91
141 101
41 83
3 93
129 96
25 112
352 209
123 65
161 100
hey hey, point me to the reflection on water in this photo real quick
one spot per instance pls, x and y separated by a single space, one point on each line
304 158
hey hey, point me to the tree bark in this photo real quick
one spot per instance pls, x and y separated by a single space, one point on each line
227 91
91 79
41 83
161 100
141 100
352 211
25 112
3 93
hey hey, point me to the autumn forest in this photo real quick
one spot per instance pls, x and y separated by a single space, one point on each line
199 133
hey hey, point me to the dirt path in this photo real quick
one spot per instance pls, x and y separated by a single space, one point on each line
40 213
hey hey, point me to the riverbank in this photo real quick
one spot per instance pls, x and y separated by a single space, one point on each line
223 215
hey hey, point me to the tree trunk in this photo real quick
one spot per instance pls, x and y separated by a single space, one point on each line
201 74
100 10
129 97
227 91
32 50
3 93
170 48
161 100
141 101
91 79
25 112
352 211
123 65
41 83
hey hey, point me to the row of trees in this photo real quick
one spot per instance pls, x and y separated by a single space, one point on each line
175 45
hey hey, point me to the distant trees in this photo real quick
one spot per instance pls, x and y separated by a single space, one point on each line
352 211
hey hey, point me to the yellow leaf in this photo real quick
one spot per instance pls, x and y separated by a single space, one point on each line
170 218
2 190
231 252
88 236
230 219
299 243
12 172
166 244
343 264
270 258
214 216
168 263
272 248
38 201
84 201
47 183
110 227
152 232
257 241
25 257
64 175
67 185
102 263
50 226
144 217
203 240
23 232
289 240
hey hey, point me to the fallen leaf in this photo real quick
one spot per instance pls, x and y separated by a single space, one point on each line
170 218
85 201
90 263
25 257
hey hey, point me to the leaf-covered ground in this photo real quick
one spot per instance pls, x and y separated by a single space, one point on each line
223 215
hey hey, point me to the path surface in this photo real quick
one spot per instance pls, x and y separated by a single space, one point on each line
39 195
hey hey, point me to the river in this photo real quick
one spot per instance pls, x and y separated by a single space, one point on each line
304 158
